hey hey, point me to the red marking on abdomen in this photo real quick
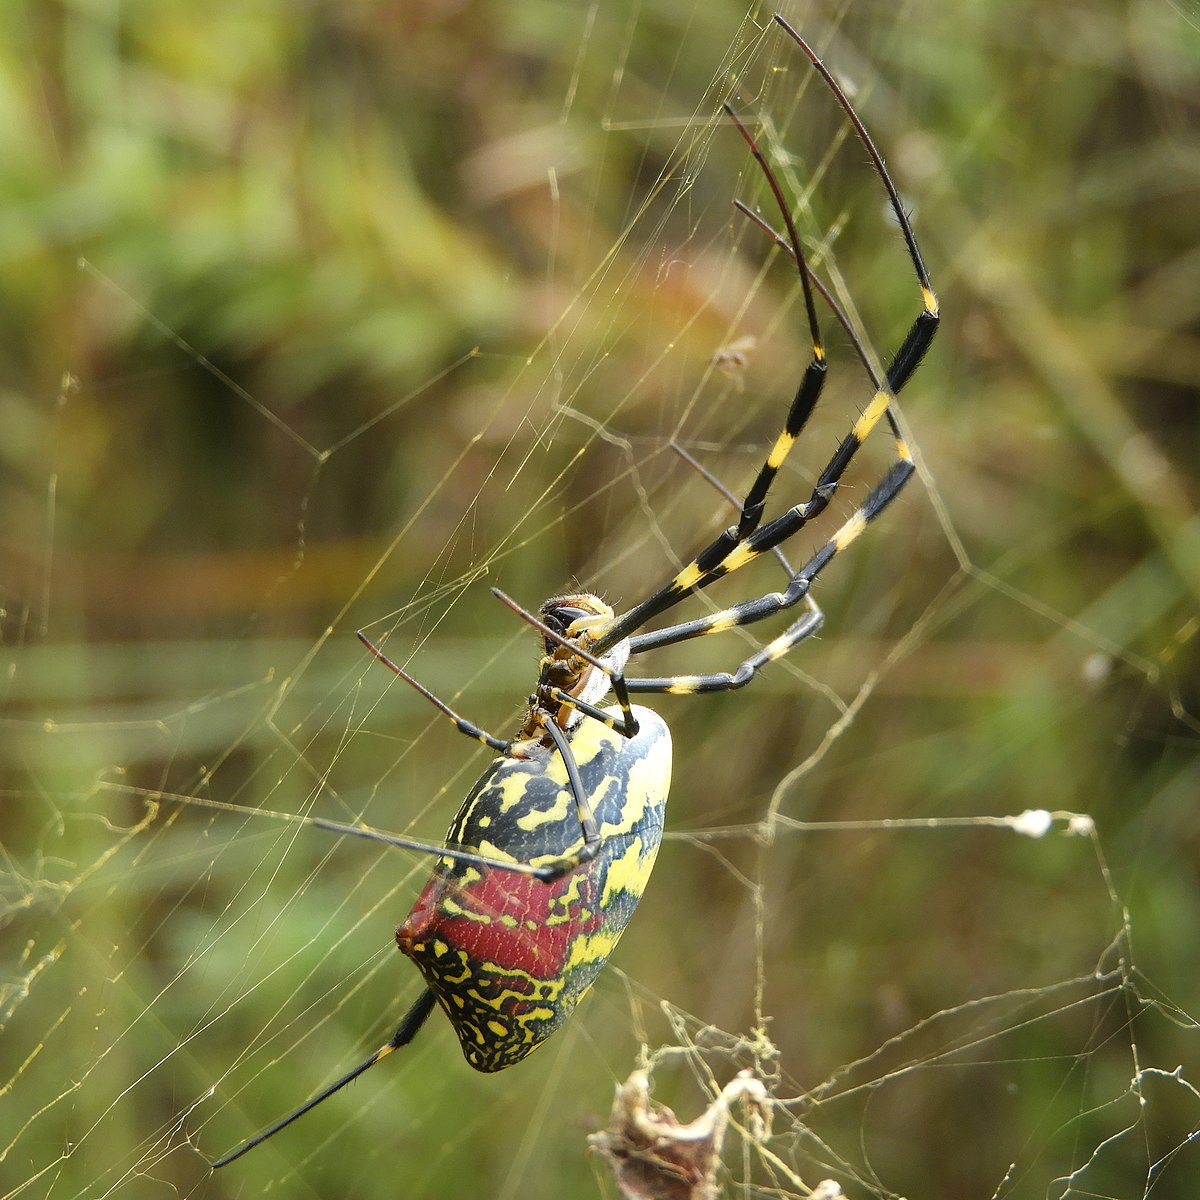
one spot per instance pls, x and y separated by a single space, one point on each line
522 926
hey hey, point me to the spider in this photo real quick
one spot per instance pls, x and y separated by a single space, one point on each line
548 856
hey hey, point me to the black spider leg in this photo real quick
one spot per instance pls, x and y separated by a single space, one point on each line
802 629
587 819
409 1027
711 564
546 872
503 745
589 848
717 485
718 557
747 612
920 334
730 618
840 314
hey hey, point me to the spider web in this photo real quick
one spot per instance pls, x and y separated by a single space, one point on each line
326 320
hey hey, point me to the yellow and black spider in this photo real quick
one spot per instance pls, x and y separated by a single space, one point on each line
548 857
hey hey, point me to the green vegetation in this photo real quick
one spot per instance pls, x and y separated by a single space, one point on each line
318 317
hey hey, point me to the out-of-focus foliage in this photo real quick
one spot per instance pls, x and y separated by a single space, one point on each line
323 316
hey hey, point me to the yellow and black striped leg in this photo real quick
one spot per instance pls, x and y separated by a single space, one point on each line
809 391
747 612
725 681
712 562
743 542
409 1027
711 479
904 362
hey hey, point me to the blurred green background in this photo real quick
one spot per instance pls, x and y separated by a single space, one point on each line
319 317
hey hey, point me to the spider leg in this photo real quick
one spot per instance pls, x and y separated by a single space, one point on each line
724 556
711 479
747 612
587 819
723 681
906 360
743 542
809 391
503 745
916 341
546 874
409 1027
710 563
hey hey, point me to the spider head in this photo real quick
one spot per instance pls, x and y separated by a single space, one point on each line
580 619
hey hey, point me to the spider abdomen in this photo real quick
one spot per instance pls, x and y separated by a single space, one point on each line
507 955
